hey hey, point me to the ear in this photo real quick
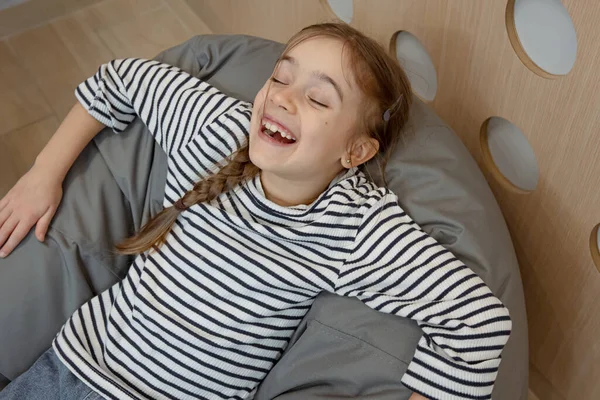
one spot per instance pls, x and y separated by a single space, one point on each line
362 151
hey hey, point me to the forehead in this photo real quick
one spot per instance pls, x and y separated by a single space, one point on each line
324 55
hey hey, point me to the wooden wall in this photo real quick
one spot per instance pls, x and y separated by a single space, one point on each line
479 76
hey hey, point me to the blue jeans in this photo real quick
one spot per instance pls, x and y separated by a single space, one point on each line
48 379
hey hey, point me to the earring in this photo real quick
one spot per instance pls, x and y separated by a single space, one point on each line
348 161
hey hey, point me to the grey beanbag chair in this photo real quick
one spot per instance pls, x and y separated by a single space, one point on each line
342 348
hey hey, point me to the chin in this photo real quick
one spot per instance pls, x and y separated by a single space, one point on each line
258 157
262 161
267 163
262 155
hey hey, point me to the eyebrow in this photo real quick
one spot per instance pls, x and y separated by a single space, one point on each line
322 76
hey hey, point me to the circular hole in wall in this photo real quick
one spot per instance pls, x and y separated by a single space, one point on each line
417 64
543 35
508 155
343 9
595 245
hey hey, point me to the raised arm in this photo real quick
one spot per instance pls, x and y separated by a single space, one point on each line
174 105
176 108
397 268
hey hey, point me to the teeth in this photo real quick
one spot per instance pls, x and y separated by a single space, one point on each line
274 128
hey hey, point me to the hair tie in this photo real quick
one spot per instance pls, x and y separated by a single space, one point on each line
179 204
388 113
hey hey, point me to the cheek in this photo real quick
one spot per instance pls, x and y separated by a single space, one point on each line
257 108
259 99
325 139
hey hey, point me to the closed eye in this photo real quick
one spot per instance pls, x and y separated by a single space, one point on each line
318 103
277 81
311 99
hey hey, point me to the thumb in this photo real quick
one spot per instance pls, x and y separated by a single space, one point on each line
43 223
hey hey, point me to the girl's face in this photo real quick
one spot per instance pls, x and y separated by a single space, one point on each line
313 99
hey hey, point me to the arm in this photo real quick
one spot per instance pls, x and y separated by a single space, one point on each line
69 140
397 268
174 105
36 196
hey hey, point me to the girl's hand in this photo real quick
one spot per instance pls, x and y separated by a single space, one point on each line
417 396
33 200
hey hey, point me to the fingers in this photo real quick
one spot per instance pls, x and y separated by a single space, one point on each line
42 225
19 232
3 202
4 215
5 231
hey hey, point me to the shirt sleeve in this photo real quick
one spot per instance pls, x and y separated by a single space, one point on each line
397 268
174 105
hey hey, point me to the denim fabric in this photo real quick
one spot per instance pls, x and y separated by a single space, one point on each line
48 379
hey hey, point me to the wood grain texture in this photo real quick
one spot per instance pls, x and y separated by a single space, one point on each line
19 148
112 12
87 48
34 13
190 20
146 35
480 76
51 65
21 101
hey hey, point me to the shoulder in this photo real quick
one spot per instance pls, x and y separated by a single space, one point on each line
378 206
364 193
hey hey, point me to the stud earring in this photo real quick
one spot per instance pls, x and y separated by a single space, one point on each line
348 161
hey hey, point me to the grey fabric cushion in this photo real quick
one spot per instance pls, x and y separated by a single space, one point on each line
342 348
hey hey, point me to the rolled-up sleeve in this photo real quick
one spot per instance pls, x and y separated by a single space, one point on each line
174 105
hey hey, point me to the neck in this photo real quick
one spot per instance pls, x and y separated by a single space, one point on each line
287 193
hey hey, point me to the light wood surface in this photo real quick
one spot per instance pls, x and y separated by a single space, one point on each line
41 66
21 102
479 76
34 13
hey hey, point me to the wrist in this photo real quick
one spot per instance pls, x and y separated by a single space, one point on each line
51 169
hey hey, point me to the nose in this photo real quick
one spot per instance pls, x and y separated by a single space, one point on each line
284 98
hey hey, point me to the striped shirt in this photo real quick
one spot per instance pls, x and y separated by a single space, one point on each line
209 313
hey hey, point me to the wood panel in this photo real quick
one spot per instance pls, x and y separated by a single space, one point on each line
52 66
21 102
19 148
34 13
188 17
146 35
479 76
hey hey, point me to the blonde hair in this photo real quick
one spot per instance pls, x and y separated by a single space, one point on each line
384 86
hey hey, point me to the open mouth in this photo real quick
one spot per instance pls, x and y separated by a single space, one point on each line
277 133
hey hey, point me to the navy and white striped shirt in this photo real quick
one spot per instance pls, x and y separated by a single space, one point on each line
210 312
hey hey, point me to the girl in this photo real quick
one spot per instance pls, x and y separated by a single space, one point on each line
265 207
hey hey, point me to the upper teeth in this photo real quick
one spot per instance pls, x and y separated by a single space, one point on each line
274 128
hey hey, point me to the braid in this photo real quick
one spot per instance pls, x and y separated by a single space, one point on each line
239 169
154 232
